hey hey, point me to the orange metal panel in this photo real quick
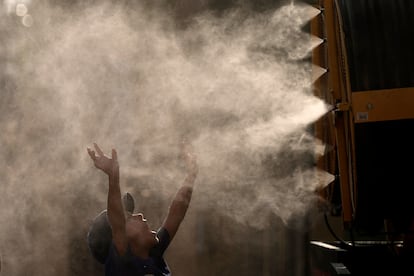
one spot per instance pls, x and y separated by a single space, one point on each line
383 105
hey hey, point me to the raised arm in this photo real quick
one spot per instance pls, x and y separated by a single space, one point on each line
115 209
181 201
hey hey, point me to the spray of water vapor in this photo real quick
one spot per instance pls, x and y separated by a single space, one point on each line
238 86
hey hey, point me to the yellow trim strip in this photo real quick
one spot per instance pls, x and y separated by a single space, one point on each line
383 105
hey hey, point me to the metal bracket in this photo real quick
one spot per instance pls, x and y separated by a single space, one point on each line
342 107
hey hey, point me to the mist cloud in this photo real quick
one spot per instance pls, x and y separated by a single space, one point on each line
238 86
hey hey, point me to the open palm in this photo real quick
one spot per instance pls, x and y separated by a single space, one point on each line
102 162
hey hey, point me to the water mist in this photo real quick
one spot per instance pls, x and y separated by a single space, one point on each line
126 76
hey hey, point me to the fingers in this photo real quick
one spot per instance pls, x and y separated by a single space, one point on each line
100 153
190 159
187 147
114 155
98 150
91 154
189 152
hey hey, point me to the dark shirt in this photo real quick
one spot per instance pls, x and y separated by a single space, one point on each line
130 265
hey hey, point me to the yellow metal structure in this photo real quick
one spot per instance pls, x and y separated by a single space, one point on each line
350 107
383 105
333 87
